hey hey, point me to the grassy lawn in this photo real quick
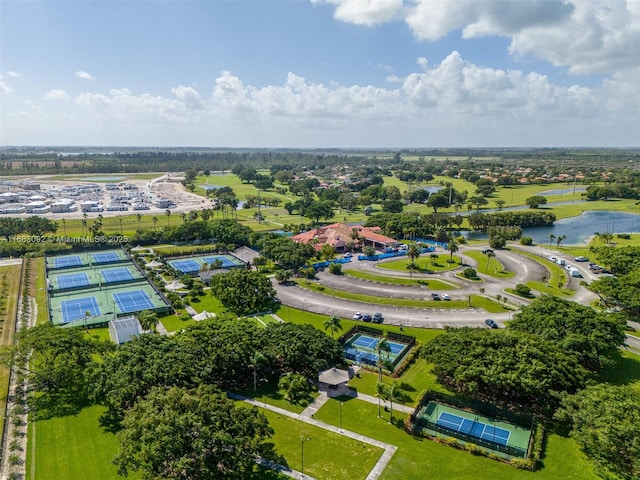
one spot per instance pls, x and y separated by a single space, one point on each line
327 455
40 293
99 333
557 276
372 277
174 323
476 300
625 371
425 264
270 394
72 447
488 265
418 458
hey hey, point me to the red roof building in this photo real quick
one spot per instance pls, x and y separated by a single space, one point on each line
338 235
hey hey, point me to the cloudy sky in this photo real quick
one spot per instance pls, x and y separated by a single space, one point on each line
320 73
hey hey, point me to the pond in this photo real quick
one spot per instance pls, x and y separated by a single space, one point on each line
433 189
564 191
578 229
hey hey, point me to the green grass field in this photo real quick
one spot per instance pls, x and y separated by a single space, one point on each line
424 262
488 265
555 284
432 284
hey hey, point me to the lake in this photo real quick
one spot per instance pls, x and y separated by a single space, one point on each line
579 229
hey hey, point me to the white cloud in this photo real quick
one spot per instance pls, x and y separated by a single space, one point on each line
365 12
55 94
587 36
13 74
453 102
4 88
84 75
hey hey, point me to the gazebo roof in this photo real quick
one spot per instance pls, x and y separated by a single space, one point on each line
203 316
334 376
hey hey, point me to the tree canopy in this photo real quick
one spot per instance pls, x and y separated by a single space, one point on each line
605 421
195 434
594 336
244 291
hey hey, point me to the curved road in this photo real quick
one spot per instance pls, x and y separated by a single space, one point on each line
525 269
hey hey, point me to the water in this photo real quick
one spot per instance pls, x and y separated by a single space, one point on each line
578 229
564 191
210 187
432 189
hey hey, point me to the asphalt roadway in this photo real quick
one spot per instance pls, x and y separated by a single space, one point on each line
525 269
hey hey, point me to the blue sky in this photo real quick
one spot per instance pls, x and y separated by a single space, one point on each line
320 73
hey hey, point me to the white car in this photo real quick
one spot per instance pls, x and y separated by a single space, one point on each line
445 296
357 316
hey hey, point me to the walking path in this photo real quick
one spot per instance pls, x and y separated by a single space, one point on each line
378 468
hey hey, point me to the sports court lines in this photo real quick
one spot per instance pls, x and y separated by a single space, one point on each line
132 301
116 275
67 261
105 257
73 280
79 308
473 428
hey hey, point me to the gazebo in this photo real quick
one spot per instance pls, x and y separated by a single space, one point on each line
334 379
203 316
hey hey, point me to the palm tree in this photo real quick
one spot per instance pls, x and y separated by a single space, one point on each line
380 392
295 385
382 347
168 214
64 227
148 320
87 314
453 247
489 256
84 226
412 253
560 239
258 361
155 223
332 324
551 239
393 394
138 217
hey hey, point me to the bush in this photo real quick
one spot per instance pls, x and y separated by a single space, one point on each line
522 290
526 241
335 268
470 273
497 241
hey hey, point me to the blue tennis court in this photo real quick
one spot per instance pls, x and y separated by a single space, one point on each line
105 257
372 342
187 265
226 263
116 275
69 261
72 280
75 309
133 301
474 428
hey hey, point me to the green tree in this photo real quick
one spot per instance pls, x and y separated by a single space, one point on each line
148 319
605 422
327 251
535 201
244 291
191 435
296 386
332 324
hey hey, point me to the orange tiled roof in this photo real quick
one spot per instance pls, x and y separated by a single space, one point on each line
337 234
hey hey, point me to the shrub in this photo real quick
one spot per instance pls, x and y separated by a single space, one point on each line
335 268
526 241
470 273
523 290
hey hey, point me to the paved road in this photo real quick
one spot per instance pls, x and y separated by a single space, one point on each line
525 269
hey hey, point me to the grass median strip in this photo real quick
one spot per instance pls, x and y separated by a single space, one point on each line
433 284
488 265
557 277
476 300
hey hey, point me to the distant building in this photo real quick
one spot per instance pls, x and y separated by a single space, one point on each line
165 203
338 235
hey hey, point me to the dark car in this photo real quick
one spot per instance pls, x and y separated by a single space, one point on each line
487 251
435 296
366 318
490 323
378 318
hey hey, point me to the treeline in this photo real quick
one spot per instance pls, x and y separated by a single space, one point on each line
522 219
33 225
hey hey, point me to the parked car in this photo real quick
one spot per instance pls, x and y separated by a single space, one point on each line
347 255
366 318
435 296
581 259
487 251
378 318
357 316
490 323
552 259
445 296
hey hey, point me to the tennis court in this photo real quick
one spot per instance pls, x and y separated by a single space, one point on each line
72 280
475 428
363 349
227 260
113 275
187 265
78 308
67 261
132 301
105 257
371 342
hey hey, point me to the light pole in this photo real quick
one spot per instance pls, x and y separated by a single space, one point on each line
302 440
340 416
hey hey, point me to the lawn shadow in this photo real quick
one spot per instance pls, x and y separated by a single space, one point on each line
59 403
623 371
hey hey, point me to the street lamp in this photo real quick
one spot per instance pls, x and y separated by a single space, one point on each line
340 416
302 440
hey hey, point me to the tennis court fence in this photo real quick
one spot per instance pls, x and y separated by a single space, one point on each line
419 423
